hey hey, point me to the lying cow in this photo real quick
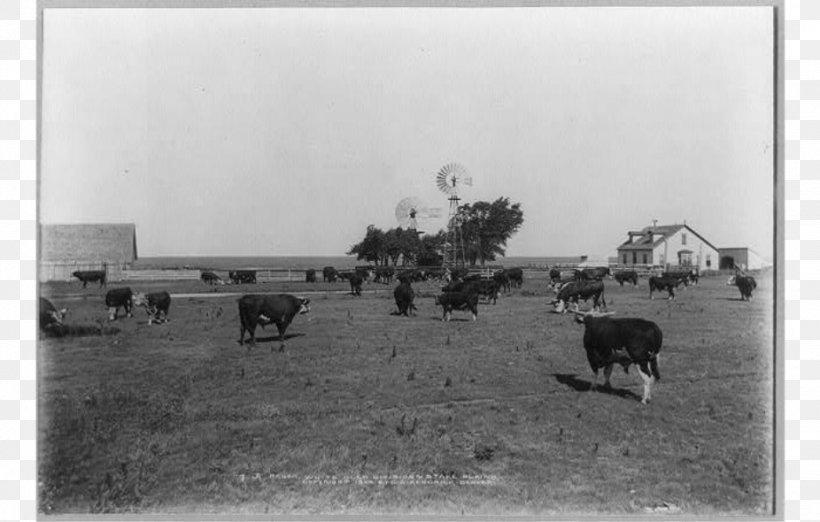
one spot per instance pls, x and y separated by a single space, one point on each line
239 277
116 298
404 296
450 301
657 284
746 284
626 341
211 278
51 319
156 304
89 276
264 309
627 276
574 291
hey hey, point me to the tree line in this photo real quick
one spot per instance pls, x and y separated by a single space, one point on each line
485 227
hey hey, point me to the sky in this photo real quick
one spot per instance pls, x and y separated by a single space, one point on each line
268 131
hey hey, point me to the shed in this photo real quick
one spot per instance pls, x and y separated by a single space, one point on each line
64 248
742 257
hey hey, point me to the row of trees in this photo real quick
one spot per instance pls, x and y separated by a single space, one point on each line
485 226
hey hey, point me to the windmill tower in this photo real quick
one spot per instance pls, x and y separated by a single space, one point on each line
449 179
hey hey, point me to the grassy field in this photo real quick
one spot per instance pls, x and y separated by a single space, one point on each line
364 412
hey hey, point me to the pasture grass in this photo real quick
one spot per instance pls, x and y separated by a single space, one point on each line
406 415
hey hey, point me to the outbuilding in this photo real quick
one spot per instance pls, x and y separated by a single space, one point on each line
742 257
65 248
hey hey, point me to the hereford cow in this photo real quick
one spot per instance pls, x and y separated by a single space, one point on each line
264 309
574 291
89 276
51 319
211 278
116 298
746 284
664 283
450 301
625 341
627 276
486 288
156 304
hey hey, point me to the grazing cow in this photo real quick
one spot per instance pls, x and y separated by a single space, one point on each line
624 276
486 288
384 274
664 283
404 296
89 276
116 298
239 277
156 304
268 308
594 274
51 319
310 275
745 284
329 274
450 301
502 280
624 341
356 281
574 291
211 278
516 276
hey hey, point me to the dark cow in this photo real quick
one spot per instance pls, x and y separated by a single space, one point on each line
450 301
329 274
687 277
594 273
116 298
746 284
486 288
664 283
458 273
239 277
624 341
574 291
156 304
310 275
516 276
268 308
211 278
356 281
502 280
415 275
51 319
404 296
627 276
89 276
384 274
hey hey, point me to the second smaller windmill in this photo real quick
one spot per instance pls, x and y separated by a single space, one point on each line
413 212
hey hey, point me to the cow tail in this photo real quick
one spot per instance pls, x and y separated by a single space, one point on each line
653 361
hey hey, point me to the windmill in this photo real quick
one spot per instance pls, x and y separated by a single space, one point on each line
412 212
449 180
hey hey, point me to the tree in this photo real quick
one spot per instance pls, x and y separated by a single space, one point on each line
486 227
372 247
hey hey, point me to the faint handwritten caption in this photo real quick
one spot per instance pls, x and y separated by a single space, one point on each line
412 479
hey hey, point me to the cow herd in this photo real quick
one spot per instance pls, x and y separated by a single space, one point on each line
607 341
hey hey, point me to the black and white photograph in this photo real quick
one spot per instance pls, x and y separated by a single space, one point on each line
379 261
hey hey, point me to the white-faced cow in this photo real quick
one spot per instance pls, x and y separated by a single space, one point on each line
156 304
89 276
264 309
609 341
450 301
51 319
575 291
746 284
657 284
116 298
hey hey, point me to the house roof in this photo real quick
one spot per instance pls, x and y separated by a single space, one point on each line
88 242
661 232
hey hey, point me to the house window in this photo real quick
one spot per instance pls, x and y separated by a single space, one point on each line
708 260
683 239
624 258
644 259
634 258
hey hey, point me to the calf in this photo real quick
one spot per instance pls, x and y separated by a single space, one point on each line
156 304
51 319
116 298
574 291
89 276
265 309
625 341
404 296
664 283
745 284
450 301
625 276
211 278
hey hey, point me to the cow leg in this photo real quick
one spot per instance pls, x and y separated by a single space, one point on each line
112 313
647 378
594 385
607 375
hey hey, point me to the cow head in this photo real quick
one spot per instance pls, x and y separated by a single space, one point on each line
304 305
57 316
732 280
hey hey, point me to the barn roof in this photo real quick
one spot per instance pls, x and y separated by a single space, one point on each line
115 242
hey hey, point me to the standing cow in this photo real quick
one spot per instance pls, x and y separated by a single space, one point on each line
356 281
627 276
89 276
664 283
624 341
156 304
264 309
404 296
574 291
746 284
211 278
450 301
329 274
310 275
116 298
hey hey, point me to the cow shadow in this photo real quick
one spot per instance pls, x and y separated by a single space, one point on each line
271 338
569 379
732 299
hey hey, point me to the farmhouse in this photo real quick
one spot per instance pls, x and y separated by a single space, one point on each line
670 246
65 248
